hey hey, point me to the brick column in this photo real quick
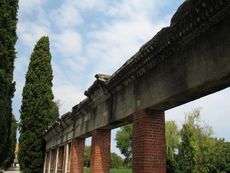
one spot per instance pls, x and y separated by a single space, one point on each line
49 161
100 151
77 156
149 150
45 161
66 157
56 160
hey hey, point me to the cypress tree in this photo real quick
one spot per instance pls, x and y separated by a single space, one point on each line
13 139
37 110
8 37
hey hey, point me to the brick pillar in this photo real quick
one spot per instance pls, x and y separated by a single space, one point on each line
45 161
77 156
66 149
64 158
100 151
56 161
49 161
149 149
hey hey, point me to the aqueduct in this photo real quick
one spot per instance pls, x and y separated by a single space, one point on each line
185 61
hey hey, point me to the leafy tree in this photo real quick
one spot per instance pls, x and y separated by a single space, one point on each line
172 143
87 156
124 142
196 144
8 37
38 110
218 159
116 161
188 146
187 151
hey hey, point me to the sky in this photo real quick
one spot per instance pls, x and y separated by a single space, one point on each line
98 36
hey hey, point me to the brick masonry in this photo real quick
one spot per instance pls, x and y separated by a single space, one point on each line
77 156
100 151
149 154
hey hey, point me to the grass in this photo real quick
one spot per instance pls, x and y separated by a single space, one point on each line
87 170
113 170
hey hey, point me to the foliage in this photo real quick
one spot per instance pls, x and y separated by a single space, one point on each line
13 140
124 142
186 155
87 156
8 20
199 152
218 160
116 161
38 110
172 143
192 141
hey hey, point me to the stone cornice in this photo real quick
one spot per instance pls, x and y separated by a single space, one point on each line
61 123
98 83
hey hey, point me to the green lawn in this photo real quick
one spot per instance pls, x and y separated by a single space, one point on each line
113 170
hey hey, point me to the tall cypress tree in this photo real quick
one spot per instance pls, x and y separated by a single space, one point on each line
13 139
37 110
8 37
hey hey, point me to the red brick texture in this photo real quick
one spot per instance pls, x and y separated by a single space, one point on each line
149 150
77 156
100 151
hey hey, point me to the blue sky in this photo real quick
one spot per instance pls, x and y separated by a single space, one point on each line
98 36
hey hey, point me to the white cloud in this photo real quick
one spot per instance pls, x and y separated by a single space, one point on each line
69 95
96 5
134 9
65 17
30 32
66 88
29 5
68 43
117 41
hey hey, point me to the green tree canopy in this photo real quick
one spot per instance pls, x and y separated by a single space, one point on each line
124 142
8 37
172 134
196 145
87 156
38 110
13 139
116 161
